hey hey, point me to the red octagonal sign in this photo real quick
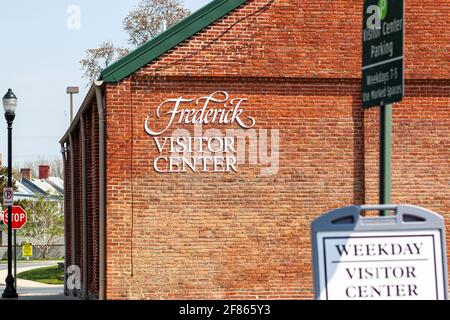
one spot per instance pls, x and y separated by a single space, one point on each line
19 217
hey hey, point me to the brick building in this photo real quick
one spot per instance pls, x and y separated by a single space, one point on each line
223 210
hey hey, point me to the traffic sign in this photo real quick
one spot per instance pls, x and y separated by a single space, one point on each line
398 257
8 197
27 250
383 42
19 217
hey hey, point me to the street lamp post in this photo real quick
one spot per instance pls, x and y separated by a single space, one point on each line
10 105
72 91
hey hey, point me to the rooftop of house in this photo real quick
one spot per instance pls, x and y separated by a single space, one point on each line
57 183
22 190
40 186
43 185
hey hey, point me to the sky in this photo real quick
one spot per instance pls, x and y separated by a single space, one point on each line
42 44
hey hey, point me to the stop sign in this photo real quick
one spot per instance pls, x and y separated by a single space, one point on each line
19 217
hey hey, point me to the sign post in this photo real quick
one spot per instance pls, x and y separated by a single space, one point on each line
385 154
19 219
15 257
399 257
383 74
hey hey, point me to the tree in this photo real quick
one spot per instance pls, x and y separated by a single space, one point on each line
144 23
99 58
45 223
3 180
56 167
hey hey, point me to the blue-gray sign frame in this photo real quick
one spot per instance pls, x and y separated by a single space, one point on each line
406 218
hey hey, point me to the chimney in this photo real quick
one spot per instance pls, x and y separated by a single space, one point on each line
26 173
44 172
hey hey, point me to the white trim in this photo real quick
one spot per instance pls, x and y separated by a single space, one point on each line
382 62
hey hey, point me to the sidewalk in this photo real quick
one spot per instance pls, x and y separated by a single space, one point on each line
34 290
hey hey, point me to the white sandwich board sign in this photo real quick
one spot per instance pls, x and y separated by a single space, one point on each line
399 257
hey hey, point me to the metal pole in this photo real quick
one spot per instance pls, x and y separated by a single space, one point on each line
71 108
385 155
102 187
72 91
15 258
10 290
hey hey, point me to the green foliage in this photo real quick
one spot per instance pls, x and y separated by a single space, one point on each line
45 223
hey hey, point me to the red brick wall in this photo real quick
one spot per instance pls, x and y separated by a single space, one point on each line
78 201
92 201
421 147
118 190
210 235
306 39
238 236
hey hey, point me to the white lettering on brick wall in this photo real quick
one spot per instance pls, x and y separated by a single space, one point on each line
216 149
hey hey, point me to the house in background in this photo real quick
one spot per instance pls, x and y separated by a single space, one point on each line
29 188
44 185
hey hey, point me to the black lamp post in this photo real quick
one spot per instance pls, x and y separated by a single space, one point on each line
10 105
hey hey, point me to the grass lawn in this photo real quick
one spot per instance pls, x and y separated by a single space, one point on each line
47 275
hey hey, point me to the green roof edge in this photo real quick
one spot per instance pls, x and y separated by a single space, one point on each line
169 39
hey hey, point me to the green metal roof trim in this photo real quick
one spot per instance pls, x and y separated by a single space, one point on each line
169 39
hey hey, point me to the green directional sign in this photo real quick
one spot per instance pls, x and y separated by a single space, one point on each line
383 64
